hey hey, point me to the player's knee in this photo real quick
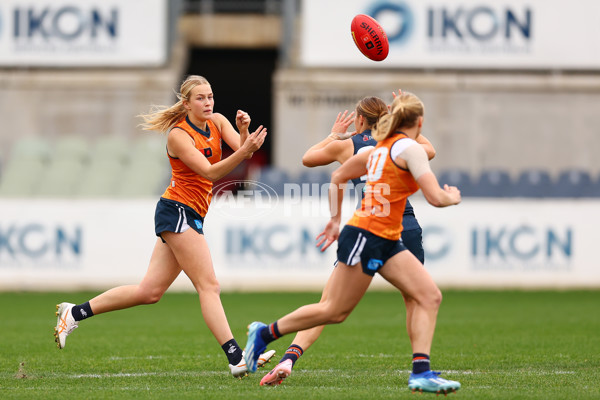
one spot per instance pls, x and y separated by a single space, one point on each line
150 296
434 299
430 299
338 316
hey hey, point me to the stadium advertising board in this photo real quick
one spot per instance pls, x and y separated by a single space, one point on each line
52 33
469 34
67 245
64 244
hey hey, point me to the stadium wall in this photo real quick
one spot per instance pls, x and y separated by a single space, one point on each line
262 244
476 120
85 69
55 103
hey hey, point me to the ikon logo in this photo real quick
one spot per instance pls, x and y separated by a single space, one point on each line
67 23
37 241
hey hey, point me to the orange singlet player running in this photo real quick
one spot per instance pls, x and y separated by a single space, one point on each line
194 140
339 146
370 244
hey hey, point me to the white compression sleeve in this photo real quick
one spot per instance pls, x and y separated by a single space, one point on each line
414 154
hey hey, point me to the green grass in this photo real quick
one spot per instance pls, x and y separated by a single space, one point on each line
499 345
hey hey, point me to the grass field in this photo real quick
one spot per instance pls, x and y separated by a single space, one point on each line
499 345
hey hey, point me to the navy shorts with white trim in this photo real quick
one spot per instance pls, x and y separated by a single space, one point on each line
358 245
173 216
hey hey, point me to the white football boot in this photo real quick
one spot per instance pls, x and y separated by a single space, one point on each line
241 370
65 324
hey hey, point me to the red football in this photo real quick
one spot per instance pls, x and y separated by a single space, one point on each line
370 38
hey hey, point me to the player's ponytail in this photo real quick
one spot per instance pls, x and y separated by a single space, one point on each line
162 118
404 113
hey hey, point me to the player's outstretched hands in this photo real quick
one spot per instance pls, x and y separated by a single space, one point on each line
254 141
454 193
340 126
395 95
329 234
242 120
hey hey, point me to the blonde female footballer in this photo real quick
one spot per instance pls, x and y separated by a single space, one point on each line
194 137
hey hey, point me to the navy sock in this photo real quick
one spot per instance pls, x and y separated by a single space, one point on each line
232 351
82 311
294 352
420 363
270 332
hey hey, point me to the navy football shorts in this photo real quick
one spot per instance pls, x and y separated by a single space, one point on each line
173 216
358 245
413 240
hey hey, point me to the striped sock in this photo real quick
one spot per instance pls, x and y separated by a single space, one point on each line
420 363
270 333
294 352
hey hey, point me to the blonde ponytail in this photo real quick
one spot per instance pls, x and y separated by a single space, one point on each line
405 112
383 127
162 118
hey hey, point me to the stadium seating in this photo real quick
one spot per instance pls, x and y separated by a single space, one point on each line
493 183
108 159
593 189
314 175
273 177
533 183
314 181
70 157
75 167
459 178
148 172
113 166
574 183
27 160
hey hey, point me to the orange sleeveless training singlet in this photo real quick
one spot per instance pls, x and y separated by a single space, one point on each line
186 186
387 188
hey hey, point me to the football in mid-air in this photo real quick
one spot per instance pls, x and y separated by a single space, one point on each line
369 37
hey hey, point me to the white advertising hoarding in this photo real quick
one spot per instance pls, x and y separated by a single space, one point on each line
257 245
470 34
94 33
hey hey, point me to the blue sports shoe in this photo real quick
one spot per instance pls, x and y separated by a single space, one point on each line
430 381
255 345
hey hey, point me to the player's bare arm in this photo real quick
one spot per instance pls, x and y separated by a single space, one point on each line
180 145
